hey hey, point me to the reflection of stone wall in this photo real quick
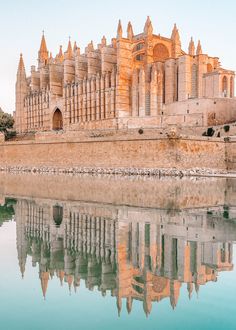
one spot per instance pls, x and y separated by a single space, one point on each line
169 193
133 252
231 154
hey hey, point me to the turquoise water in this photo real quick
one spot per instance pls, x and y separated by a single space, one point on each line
73 265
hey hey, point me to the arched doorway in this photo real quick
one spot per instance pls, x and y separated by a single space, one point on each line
57 120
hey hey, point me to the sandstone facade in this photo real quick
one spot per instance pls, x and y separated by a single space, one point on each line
136 80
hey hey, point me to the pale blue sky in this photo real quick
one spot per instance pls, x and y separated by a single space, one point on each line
22 22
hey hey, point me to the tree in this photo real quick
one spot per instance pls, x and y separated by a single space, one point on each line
6 121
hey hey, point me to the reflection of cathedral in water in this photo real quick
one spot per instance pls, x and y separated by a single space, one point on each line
133 253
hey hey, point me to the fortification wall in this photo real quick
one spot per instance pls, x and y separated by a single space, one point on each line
121 151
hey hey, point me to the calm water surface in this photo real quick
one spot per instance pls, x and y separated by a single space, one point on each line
117 253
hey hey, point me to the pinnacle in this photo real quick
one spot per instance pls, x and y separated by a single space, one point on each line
119 30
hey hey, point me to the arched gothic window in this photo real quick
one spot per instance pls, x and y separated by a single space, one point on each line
209 67
160 53
231 87
194 81
224 86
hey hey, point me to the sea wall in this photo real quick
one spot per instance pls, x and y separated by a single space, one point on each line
130 151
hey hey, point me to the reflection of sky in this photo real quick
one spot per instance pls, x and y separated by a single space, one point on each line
22 305
22 22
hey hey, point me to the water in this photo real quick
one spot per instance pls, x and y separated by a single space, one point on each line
117 253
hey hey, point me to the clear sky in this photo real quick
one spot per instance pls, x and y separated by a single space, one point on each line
22 22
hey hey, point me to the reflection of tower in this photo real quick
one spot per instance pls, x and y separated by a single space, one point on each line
21 240
190 289
44 277
174 292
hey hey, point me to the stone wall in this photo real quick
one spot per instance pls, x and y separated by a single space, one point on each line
121 151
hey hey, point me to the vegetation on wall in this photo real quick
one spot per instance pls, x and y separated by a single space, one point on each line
226 128
7 211
6 121
6 124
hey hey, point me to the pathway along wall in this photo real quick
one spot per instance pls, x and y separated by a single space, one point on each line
138 153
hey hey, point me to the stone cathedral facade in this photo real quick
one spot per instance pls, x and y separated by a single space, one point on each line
142 80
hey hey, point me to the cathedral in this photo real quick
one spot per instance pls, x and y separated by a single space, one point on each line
136 80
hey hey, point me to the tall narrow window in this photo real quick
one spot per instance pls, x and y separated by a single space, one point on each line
147 103
164 88
231 87
224 86
194 81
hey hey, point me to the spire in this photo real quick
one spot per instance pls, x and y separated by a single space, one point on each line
75 47
60 56
174 30
43 52
176 43
148 29
119 30
191 47
199 48
90 46
60 52
175 34
130 33
104 41
69 52
21 67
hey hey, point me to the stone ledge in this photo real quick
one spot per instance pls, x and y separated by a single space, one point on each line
121 171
